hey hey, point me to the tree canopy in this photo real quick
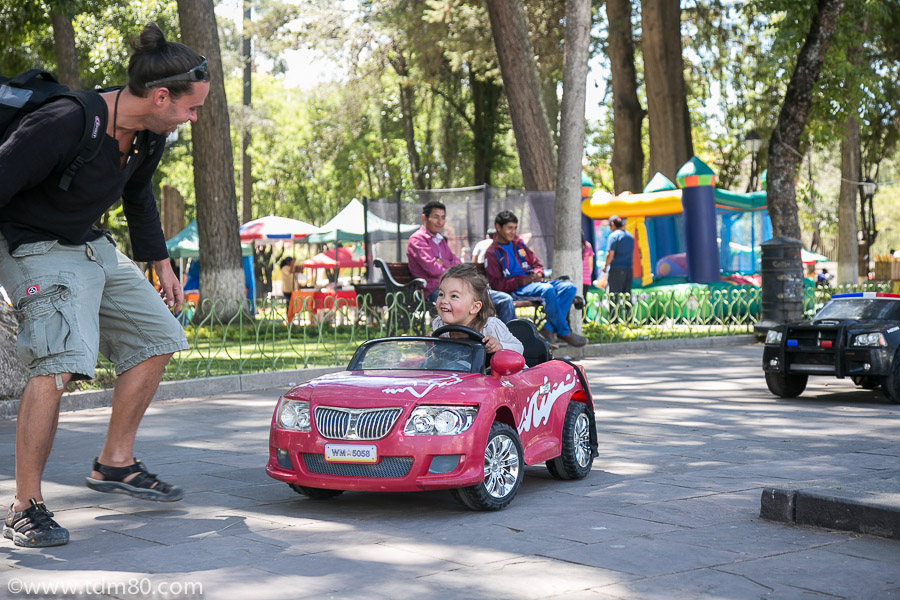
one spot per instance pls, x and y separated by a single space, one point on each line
413 95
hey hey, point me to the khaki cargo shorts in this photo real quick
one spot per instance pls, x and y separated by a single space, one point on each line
75 301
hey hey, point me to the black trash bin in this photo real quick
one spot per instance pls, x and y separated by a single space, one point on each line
782 283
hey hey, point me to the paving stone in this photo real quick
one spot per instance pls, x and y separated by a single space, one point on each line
688 441
824 571
631 556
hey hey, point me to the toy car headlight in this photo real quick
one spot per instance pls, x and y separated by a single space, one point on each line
773 336
293 414
869 339
440 420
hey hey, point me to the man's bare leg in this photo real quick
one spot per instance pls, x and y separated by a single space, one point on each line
35 430
132 395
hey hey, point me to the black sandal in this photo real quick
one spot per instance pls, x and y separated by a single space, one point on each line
34 527
144 485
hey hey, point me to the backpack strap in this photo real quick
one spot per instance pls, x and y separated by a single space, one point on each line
92 136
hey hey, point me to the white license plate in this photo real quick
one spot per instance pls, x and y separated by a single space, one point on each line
357 453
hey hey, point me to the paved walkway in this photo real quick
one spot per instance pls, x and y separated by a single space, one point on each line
688 440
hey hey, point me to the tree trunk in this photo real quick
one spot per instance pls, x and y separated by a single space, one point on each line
670 124
171 211
628 155
550 98
66 53
815 243
407 108
537 158
485 103
848 245
784 145
221 271
13 375
567 246
407 116
246 167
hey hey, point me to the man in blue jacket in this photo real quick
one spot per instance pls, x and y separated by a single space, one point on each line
512 267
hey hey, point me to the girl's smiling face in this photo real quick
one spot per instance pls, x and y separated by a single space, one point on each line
456 304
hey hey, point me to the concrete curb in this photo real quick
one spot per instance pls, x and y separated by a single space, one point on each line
638 347
186 388
861 512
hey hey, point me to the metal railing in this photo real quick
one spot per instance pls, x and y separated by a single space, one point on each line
687 312
273 336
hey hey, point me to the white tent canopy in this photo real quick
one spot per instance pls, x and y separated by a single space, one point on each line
349 226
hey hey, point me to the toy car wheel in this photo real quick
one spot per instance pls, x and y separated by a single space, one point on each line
315 493
576 458
868 383
786 386
504 469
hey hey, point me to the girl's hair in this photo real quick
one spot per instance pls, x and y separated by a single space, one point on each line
468 272
154 58
286 261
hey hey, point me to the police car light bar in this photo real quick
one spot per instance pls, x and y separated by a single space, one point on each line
885 295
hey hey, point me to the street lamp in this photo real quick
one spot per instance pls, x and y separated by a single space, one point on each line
868 188
753 143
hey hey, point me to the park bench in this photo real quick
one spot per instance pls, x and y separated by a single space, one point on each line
405 294
405 299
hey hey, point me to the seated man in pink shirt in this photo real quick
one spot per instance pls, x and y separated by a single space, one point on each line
429 255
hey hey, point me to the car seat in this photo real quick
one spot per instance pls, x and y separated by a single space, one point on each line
537 350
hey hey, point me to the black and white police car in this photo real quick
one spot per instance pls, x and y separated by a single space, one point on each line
854 335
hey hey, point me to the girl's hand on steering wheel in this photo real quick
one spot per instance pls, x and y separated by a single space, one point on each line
491 344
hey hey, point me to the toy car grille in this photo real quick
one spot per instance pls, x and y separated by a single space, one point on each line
389 466
355 423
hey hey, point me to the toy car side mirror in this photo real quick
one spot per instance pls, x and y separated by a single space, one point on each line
506 362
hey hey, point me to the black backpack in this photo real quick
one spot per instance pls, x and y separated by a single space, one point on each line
30 90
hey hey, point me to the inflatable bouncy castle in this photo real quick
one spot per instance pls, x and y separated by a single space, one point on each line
697 234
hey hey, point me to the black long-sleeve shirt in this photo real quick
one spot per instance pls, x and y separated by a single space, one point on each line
33 208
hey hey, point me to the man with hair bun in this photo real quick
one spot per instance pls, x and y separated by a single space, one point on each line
74 294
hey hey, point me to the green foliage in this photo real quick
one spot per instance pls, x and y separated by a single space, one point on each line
316 147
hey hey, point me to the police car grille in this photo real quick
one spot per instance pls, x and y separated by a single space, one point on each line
355 423
388 466
812 338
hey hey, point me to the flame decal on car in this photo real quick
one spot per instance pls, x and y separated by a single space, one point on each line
453 380
535 415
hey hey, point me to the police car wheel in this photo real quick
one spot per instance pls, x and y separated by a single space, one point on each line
786 386
891 384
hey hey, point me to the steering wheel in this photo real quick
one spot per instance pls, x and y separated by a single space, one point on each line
475 336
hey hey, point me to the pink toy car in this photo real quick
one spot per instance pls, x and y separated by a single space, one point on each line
427 413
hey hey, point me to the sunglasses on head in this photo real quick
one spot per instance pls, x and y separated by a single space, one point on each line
198 73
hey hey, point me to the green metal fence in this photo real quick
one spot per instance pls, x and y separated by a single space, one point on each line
688 312
271 336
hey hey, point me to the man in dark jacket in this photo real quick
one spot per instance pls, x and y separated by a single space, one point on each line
512 267
75 295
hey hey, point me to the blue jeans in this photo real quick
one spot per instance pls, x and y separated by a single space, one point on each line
503 304
557 297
